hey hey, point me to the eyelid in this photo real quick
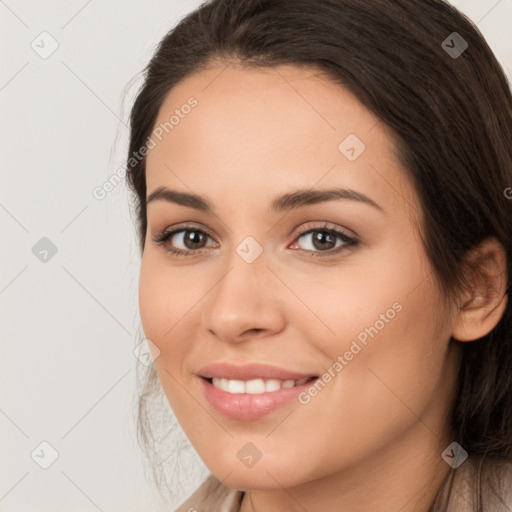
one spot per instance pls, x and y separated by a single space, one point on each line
187 225
328 226
308 226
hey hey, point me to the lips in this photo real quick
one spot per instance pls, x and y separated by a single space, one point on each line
250 372
251 391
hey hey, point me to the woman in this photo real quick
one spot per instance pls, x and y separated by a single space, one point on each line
321 192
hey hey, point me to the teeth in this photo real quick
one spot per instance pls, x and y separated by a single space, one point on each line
236 386
256 386
272 385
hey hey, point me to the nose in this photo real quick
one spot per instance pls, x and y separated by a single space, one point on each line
246 302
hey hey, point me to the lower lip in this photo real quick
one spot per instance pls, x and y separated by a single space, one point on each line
246 406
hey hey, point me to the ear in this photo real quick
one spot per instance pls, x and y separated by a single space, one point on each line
482 306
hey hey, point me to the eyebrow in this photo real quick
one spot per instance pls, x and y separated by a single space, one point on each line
296 199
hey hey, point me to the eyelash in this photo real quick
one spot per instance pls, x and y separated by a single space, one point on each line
349 242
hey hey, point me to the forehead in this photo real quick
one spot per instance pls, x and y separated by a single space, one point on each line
269 129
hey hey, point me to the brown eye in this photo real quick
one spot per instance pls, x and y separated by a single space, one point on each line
193 239
319 240
323 240
183 241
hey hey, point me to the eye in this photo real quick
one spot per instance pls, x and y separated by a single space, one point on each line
320 240
183 241
323 240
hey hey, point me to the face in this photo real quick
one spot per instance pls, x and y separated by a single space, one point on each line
276 283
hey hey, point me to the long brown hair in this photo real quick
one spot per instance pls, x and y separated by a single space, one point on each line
451 116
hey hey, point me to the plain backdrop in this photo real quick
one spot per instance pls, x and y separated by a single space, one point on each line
69 261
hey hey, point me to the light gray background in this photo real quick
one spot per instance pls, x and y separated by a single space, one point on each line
69 325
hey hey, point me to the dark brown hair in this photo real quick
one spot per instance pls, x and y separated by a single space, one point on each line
451 117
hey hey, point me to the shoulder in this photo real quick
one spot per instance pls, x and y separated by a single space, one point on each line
481 484
497 484
212 496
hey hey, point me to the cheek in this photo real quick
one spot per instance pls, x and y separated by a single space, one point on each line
153 299
383 361
387 347
380 291
166 299
166 296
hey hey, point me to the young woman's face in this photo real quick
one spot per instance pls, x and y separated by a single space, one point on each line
300 282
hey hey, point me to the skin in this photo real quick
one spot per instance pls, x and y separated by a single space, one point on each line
372 438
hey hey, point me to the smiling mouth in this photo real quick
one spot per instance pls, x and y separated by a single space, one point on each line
256 386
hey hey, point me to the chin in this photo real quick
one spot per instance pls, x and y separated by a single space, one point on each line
259 481
263 475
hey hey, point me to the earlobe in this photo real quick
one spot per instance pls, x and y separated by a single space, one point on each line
484 305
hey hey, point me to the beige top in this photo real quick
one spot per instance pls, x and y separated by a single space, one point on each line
213 496
475 481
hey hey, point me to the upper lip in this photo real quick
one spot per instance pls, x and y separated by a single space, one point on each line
250 371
